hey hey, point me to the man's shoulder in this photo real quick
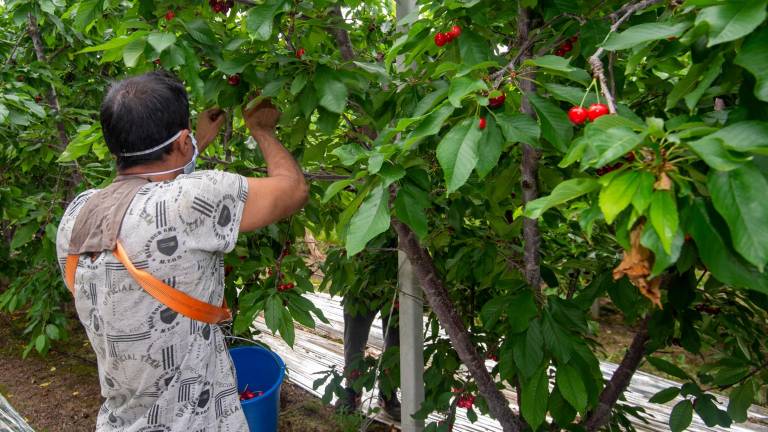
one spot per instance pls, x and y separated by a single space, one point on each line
78 202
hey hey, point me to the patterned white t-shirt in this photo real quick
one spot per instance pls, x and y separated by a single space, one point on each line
161 371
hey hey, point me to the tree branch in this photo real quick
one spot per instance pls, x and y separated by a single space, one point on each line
317 176
341 35
594 61
619 381
529 167
441 305
53 99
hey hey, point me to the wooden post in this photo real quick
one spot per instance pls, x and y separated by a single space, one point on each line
411 313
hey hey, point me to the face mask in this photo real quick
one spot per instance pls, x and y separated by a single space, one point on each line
189 168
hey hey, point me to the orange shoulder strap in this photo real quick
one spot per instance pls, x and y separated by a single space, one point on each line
169 296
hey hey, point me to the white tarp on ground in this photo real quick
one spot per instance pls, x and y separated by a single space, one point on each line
10 420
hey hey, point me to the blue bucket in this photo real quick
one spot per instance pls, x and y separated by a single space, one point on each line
260 370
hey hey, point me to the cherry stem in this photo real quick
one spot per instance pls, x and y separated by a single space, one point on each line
584 98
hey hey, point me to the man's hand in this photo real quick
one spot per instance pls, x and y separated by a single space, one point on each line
262 118
208 124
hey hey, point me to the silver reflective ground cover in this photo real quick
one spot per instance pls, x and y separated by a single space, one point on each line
10 420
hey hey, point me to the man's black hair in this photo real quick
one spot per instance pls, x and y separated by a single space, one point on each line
141 112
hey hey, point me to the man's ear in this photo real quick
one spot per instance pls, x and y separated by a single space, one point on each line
181 145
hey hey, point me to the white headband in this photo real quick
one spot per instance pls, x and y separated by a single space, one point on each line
155 148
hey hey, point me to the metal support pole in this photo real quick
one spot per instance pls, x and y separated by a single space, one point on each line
411 312
411 344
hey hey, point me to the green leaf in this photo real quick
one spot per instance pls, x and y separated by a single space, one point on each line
665 395
40 341
745 136
712 72
662 260
161 41
335 188
556 339
555 126
534 398
473 48
520 311
617 141
572 387
409 208
333 93
371 219
374 68
489 148
738 197
732 20
617 195
429 101
664 218
642 33
457 153
114 43
430 125
563 192
740 400
518 128
272 312
200 31
463 86
668 368
557 65
754 58
713 152
529 351
52 331
705 227
261 17
133 51
24 235
642 198
681 416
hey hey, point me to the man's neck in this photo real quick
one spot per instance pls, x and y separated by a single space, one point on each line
141 170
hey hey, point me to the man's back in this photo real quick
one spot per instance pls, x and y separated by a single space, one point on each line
160 370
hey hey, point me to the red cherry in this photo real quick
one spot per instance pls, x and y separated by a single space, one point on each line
234 80
482 123
630 157
560 52
567 46
574 38
169 15
289 285
497 101
300 52
228 269
38 98
577 115
441 39
597 110
455 32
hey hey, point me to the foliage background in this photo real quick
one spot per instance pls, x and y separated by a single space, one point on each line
385 124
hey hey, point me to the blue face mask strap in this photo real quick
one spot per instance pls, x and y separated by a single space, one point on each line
188 168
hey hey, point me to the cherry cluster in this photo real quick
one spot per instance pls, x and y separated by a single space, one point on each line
465 401
578 115
285 287
444 38
497 101
608 168
221 6
248 395
566 46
